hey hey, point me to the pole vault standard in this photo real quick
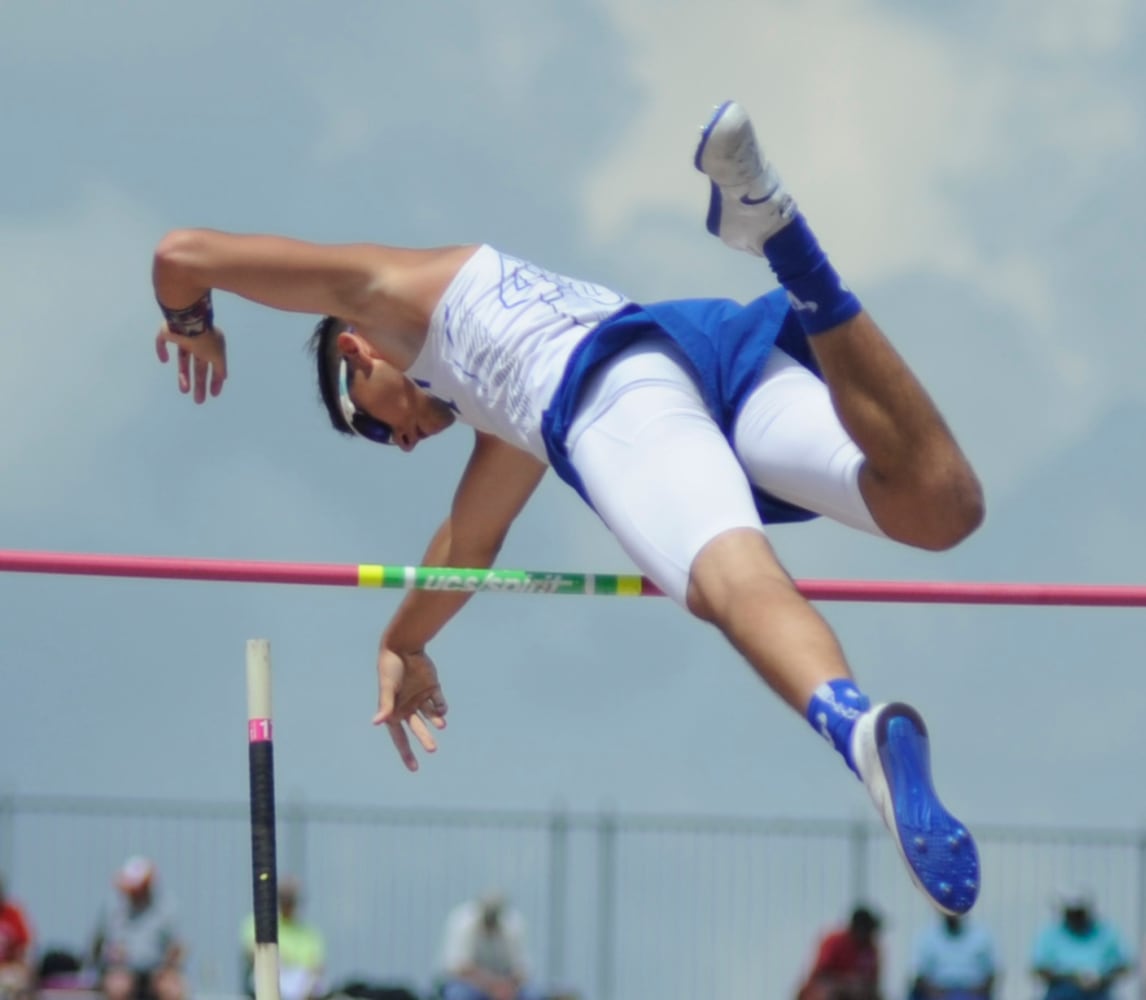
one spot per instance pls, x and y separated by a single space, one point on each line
535 582
261 768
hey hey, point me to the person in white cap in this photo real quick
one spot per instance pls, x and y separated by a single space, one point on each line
483 952
137 948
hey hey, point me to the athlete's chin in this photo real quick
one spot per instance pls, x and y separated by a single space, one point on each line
432 430
445 423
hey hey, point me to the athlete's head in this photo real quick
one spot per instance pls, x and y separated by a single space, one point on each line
366 395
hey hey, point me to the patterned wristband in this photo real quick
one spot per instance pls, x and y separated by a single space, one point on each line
192 320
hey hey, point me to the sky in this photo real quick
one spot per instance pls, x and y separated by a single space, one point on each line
974 170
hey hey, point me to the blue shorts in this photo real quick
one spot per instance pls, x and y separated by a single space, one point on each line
725 343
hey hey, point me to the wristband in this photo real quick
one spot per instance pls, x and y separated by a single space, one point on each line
192 320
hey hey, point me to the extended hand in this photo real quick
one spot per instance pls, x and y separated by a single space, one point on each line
209 365
409 696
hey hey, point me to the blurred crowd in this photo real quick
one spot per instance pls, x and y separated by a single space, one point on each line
137 951
1077 955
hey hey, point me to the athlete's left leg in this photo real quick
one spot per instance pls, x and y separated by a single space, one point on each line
791 443
915 479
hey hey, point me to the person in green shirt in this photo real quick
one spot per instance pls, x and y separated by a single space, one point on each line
302 950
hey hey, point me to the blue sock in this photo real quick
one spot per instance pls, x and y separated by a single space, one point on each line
833 711
818 296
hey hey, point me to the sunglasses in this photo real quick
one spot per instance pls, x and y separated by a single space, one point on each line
361 423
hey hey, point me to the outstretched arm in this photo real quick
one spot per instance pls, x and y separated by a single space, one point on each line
383 290
497 482
345 280
282 273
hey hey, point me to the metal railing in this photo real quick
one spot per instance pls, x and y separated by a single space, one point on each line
619 907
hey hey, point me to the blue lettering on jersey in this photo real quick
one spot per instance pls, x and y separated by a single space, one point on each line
423 383
527 282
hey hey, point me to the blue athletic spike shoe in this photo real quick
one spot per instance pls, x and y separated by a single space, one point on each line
890 749
748 204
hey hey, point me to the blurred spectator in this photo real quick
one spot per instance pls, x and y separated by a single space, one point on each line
847 962
483 952
137 950
15 947
954 960
62 969
1078 956
302 951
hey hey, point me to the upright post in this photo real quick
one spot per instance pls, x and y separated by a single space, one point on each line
261 764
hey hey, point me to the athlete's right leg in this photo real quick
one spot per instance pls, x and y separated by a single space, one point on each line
668 485
662 477
792 444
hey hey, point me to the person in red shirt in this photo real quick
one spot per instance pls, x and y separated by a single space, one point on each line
847 962
15 946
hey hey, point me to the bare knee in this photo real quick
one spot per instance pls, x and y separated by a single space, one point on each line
959 508
730 569
935 510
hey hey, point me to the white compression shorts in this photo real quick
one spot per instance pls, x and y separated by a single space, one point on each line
666 481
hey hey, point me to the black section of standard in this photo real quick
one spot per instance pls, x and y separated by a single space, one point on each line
263 871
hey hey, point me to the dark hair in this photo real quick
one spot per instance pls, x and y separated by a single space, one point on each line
864 920
323 345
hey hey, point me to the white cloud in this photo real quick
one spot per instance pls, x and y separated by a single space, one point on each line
877 120
864 114
476 71
1059 27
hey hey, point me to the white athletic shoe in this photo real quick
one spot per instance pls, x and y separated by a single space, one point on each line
748 204
890 749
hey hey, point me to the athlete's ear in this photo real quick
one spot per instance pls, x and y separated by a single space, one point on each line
350 344
356 348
